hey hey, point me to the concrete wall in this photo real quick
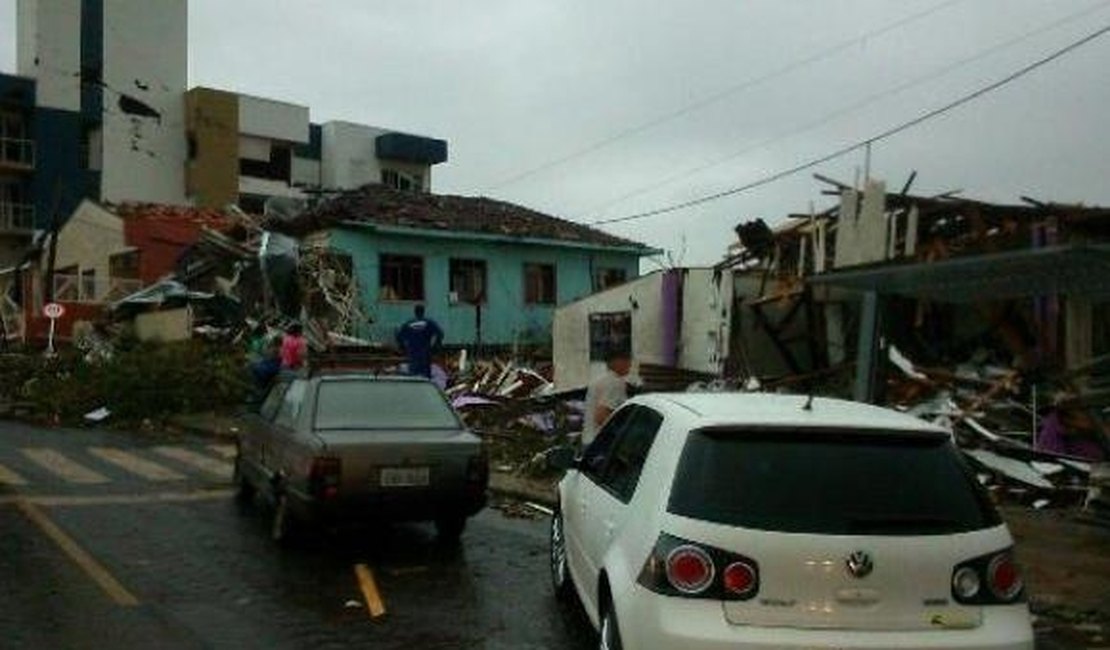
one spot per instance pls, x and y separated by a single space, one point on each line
212 120
165 326
702 340
506 319
145 57
350 159
49 49
272 120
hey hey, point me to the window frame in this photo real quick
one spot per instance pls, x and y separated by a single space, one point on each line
277 393
467 266
542 268
641 416
395 258
603 273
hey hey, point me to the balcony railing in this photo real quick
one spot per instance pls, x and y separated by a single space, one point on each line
74 288
17 152
17 218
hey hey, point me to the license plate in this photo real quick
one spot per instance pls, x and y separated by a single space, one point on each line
404 476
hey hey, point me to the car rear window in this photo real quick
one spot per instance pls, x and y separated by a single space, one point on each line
829 482
375 404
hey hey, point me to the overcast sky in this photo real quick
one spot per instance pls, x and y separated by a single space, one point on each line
522 83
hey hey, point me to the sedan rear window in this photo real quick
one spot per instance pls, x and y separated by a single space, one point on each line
352 404
830 483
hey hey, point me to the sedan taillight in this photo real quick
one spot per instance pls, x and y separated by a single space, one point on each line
324 477
677 567
997 572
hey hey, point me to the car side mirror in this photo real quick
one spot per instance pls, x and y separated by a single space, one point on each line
562 459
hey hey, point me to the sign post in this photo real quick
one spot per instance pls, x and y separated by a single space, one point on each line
53 311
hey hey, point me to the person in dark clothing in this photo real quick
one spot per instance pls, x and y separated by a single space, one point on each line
418 339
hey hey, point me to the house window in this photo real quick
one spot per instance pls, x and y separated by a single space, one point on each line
611 277
402 181
539 284
88 285
611 332
401 277
468 280
124 265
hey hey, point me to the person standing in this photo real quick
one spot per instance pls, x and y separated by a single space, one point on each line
293 348
606 393
419 338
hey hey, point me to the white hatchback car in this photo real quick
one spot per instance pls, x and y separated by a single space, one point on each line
714 521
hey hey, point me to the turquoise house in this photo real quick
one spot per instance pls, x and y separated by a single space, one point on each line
489 272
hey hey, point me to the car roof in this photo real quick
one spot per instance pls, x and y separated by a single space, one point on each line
774 410
348 374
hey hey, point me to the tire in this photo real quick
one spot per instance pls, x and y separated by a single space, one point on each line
244 489
561 581
283 527
609 638
450 528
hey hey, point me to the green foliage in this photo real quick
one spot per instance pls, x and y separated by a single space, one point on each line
142 381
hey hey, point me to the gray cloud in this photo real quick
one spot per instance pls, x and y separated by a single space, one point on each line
519 83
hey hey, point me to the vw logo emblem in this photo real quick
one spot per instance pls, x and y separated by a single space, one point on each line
859 564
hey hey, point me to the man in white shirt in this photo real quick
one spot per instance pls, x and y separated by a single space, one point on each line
605 394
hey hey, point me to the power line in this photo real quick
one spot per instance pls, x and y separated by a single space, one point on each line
721 95
847 110
876 138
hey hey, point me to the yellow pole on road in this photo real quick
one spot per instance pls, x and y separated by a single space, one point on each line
374 603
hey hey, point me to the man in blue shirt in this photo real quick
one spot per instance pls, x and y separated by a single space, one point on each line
419 338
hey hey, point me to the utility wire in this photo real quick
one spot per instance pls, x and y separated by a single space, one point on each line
849 109
722 95
875 138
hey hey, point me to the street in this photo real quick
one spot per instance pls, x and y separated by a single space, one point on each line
114 540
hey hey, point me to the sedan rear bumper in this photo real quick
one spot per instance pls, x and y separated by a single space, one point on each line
398 505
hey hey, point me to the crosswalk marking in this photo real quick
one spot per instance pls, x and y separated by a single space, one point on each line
225 451
63 467
8 477
194 459
136 465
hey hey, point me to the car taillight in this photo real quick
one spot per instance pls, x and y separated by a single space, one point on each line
739 578
997 571
677 567
690 569
1003 577
323 478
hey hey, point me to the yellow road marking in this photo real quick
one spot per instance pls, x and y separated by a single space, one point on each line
136 465
61 466
96 571
374 603
226 451
197 460
8 477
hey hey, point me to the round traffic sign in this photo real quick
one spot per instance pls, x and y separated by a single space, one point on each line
53 310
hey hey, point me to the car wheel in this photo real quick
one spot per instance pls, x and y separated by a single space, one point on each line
560 576
610 636
282 528
244 490
450 529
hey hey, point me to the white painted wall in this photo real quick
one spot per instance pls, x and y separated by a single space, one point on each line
706 310
570 329
703 336
349 158
274 120
306 171
49 50
145 44
89 238
253 148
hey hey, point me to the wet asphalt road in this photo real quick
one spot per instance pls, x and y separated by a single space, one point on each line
204 573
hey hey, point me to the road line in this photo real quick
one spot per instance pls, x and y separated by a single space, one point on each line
118 499
96 571
136 465
374 603
196 460
61 466
8 477
225 451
